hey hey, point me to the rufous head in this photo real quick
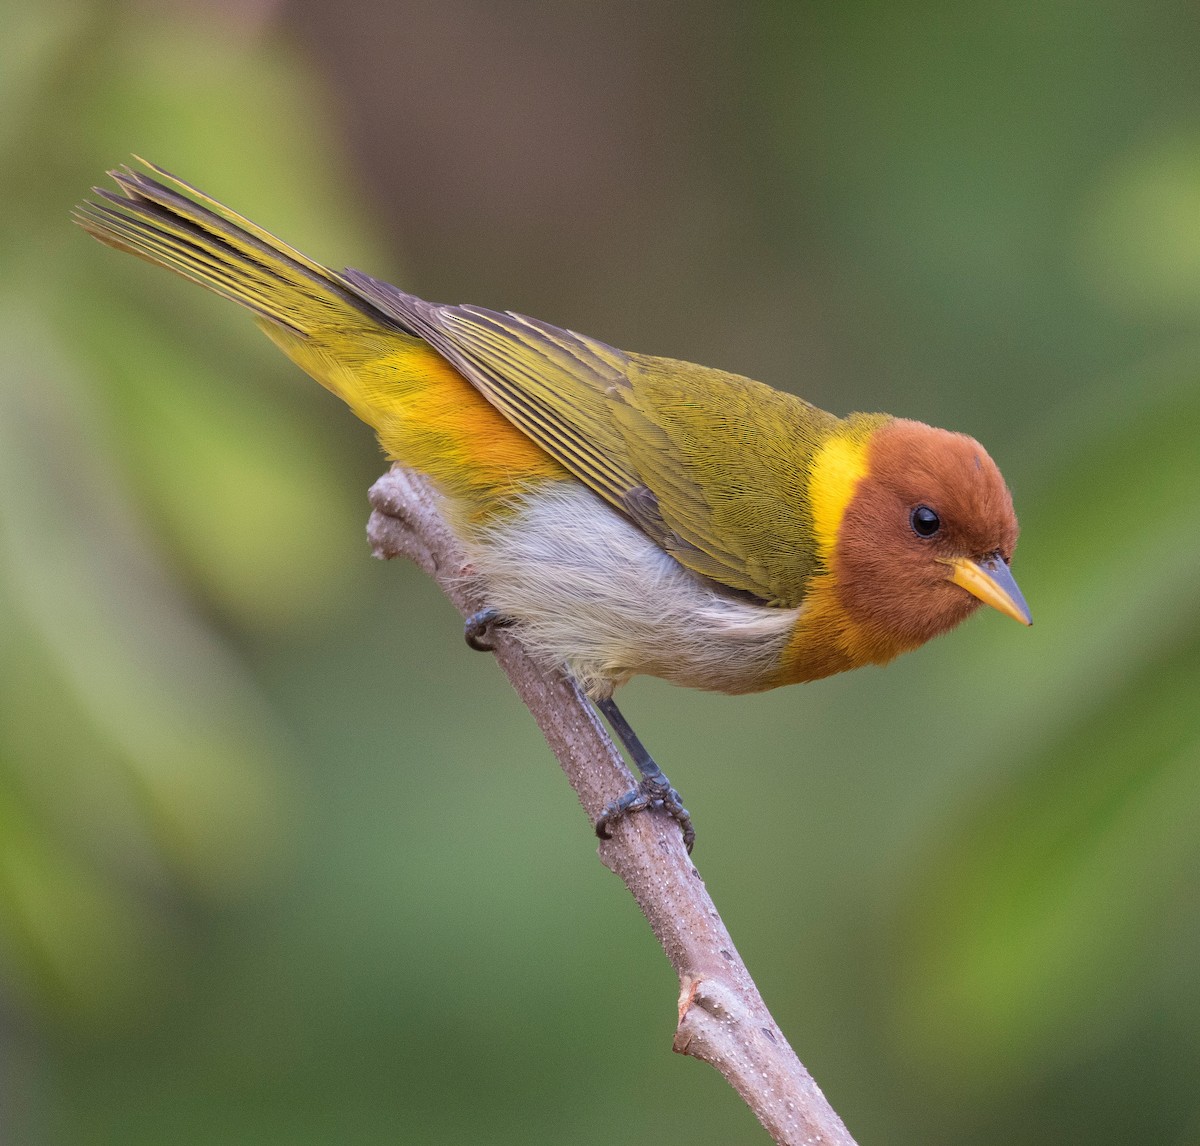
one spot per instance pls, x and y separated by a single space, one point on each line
927 536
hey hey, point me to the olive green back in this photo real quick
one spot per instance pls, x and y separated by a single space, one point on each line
713 466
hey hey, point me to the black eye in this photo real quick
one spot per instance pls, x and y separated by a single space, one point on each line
924 521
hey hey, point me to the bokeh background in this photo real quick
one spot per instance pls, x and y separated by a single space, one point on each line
282 862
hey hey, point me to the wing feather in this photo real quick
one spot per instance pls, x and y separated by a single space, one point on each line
714 467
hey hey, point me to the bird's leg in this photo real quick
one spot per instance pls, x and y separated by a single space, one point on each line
478 627
654 789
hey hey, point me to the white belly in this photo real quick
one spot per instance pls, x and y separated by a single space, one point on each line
591 591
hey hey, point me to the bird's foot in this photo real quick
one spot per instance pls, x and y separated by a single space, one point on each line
477 631
651 792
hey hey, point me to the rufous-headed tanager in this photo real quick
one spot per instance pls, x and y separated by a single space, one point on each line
627 514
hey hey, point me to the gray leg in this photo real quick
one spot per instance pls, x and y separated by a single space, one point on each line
653 791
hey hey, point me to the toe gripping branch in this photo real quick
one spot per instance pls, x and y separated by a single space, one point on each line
653 790
477 631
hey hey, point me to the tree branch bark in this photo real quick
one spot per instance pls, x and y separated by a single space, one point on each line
722 1018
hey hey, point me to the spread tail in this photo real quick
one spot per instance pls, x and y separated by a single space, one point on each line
426 414
172 224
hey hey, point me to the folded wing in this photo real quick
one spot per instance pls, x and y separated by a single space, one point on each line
711 465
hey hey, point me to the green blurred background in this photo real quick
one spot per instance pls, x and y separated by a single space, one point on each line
282 862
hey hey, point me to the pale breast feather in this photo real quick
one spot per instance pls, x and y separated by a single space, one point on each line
591 591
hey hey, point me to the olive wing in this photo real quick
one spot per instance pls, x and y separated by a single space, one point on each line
712 466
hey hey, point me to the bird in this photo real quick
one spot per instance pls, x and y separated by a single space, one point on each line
624 514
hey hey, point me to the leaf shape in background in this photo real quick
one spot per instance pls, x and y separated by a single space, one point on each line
170 718
1020 924
221 439
255 498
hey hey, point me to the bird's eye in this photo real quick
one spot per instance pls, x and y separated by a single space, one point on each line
924 521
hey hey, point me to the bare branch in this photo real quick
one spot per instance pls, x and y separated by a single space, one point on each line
722 1018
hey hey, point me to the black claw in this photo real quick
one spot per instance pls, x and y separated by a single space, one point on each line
478 627
652 792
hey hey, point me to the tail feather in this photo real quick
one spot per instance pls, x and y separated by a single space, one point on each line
174 225
426 414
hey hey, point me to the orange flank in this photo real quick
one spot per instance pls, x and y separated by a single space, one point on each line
452 433
425 417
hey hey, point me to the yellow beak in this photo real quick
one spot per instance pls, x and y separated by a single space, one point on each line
992 583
